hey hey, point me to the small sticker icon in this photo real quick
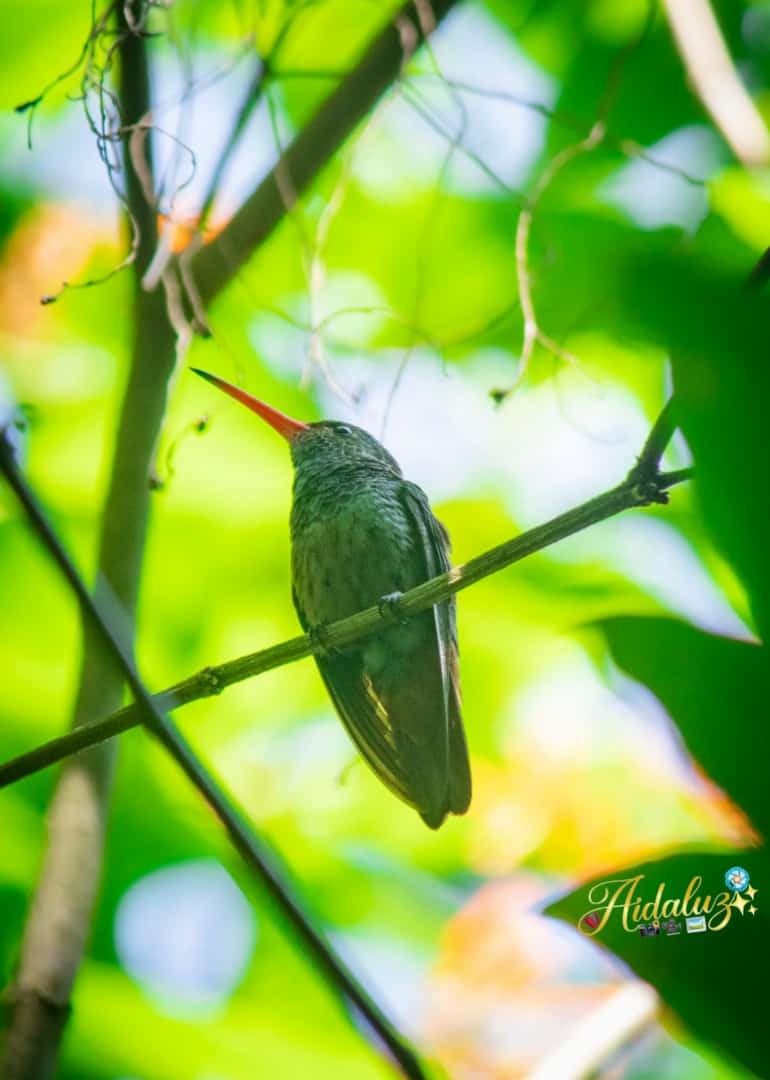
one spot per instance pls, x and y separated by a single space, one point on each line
737 879
696 924
671 927
651 930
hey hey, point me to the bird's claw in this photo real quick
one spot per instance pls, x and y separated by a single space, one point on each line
389 607
319 640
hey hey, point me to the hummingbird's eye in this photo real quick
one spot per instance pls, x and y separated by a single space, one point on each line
343 429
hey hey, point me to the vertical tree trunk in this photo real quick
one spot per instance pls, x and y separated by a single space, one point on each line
60 916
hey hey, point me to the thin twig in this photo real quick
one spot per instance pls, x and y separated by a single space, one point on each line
533 333
426 242
250 101
103 615
677 476
412 97
627 147
252 98
660 436
532 330
218 262
643 486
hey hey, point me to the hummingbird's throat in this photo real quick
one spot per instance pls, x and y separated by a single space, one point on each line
279 421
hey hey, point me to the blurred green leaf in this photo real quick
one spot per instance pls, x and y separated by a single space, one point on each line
718 693
717 332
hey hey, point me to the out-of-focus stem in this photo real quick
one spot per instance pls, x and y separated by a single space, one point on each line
59 919
716 81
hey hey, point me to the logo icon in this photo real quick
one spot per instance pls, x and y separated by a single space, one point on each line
639 907
737 879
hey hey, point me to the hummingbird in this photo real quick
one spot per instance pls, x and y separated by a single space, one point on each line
361 535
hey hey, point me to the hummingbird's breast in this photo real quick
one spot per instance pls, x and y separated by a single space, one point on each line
352 542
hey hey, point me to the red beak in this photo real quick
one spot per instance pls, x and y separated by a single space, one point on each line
283 424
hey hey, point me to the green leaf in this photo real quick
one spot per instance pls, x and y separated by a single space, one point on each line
717 332
717 691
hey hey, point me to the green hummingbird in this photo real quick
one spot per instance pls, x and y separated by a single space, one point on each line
360 534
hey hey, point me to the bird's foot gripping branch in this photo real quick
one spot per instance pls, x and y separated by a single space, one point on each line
318 639
389 606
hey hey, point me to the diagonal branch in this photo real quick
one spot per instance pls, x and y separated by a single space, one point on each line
103 616
218 262
643 486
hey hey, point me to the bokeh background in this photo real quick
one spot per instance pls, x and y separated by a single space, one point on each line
390 296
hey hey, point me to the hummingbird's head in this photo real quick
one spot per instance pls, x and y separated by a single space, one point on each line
331 444
326 444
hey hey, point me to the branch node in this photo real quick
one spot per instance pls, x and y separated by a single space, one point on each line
648 491
211 679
